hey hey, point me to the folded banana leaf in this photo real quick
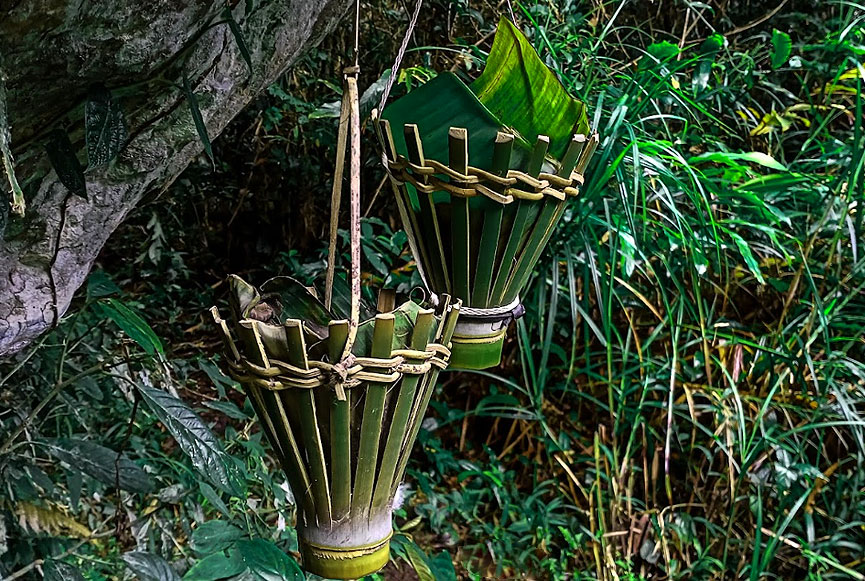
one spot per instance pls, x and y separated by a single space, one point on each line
518 88
516 93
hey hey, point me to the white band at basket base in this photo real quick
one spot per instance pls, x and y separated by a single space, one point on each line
491 312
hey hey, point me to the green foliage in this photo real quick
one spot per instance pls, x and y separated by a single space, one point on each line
234 27
682 400
100 463
149 567
60 571
195 439
132 324
782 46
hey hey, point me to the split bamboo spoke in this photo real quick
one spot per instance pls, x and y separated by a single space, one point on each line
308 422
370 431
460 229
492 225
395 440
340 432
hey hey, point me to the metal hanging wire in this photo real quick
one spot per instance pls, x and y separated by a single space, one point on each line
398 61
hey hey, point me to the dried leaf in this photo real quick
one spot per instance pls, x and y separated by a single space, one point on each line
50 519
104 127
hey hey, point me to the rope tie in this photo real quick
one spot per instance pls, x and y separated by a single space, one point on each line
340 378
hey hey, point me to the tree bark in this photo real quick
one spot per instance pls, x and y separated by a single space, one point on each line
51 51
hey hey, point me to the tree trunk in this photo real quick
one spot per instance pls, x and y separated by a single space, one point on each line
52 51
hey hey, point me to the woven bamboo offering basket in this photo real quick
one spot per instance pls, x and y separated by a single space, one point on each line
482 173
341 397
342 431
479 234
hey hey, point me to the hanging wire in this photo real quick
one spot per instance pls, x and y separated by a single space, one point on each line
356 33
399 56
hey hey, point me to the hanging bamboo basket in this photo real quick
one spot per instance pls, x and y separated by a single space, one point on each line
340 398
482 174
342 429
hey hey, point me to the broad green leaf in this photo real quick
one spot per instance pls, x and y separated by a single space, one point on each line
659 52
446 102
340 304
708 49
213 498
374 258
712 44
418 561
525 95
516 92
227 408
100 463
730 158
216 566
195 111
131 324
242 296
404 319
99 285
267 562
782 46
293 300
213 536
74 482
194 438
104 127
59 571
65 162
219 379
746 253
442 567
149 567
776 183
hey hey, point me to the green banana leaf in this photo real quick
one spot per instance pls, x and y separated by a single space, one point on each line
518 88
516 93
440 104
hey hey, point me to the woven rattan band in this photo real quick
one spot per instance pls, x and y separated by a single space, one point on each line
516 185
279 375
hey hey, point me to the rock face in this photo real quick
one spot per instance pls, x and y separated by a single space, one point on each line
52 51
